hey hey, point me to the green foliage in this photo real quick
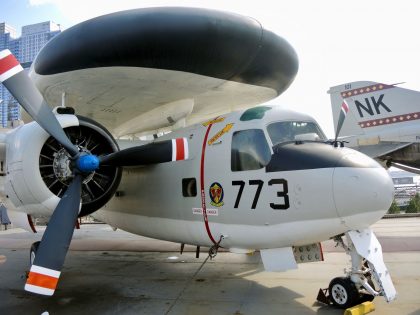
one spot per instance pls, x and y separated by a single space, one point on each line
414 204
394 208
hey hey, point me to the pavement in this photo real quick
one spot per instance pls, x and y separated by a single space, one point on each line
114 272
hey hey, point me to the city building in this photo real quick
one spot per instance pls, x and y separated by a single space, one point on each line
8 40
25 48
34 37
406 186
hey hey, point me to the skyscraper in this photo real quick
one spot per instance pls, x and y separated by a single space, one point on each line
9 41
25 48
34 37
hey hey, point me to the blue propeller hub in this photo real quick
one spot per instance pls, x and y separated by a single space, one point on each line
87 163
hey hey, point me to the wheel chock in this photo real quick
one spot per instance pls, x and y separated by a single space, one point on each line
361 309
323 296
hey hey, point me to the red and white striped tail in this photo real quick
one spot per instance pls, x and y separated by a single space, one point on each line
9 65
42 280
180 149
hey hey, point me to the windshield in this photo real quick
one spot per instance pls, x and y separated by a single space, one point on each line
250 150
288 130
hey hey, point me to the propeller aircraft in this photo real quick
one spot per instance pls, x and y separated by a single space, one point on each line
382 122
229 174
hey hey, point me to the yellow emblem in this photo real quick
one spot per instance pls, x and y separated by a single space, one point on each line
220 133
213 121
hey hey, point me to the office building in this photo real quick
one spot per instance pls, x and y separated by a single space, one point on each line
25 48
8 40
34 37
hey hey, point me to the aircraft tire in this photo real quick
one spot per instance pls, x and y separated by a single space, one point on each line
343 292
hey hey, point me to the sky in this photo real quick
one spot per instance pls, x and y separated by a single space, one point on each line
336 41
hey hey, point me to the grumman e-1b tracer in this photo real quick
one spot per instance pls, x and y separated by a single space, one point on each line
229 174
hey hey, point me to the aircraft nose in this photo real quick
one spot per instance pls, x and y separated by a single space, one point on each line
363 190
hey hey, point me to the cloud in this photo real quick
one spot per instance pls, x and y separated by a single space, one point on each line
80 10
41 2
77 11
336 41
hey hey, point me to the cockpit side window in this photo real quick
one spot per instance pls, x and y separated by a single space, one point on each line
250 150
284 131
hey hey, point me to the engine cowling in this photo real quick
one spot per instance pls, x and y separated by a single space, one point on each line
39 168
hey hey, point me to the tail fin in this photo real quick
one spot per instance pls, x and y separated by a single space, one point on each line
374 108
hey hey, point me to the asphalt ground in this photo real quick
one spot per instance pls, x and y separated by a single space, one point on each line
109 272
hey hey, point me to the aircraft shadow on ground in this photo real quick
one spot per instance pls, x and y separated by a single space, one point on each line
150 283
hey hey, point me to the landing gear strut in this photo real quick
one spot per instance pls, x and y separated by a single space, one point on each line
32 252
367 277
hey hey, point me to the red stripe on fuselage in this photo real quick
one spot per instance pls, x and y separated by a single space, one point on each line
203 194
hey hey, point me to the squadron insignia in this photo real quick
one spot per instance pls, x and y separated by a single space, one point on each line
216 194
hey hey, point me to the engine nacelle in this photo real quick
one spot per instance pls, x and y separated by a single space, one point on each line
39 171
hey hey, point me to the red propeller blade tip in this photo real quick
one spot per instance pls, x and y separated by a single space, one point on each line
9 65
180 149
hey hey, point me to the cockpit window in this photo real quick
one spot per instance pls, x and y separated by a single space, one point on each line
288 130
250 150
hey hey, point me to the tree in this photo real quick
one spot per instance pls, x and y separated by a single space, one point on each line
394 208
414 204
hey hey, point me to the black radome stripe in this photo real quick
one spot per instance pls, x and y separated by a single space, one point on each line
294 157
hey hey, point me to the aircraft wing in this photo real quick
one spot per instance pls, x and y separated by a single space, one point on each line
146 69
382 149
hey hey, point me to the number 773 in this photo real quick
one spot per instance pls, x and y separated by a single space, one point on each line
281 193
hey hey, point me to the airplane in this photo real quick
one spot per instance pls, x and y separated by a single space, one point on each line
230 174
382 122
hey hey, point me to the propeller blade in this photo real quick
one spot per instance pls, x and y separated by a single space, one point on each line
16 80
343 113
49 259
152 153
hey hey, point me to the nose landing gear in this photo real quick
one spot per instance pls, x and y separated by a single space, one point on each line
368 276
343 293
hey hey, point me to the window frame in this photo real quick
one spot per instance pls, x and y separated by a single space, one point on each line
291 120
268 146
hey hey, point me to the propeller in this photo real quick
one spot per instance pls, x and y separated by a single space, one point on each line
49 259
343 113
152 153
45 271
22 88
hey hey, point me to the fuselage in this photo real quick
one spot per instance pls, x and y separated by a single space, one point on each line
257 190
